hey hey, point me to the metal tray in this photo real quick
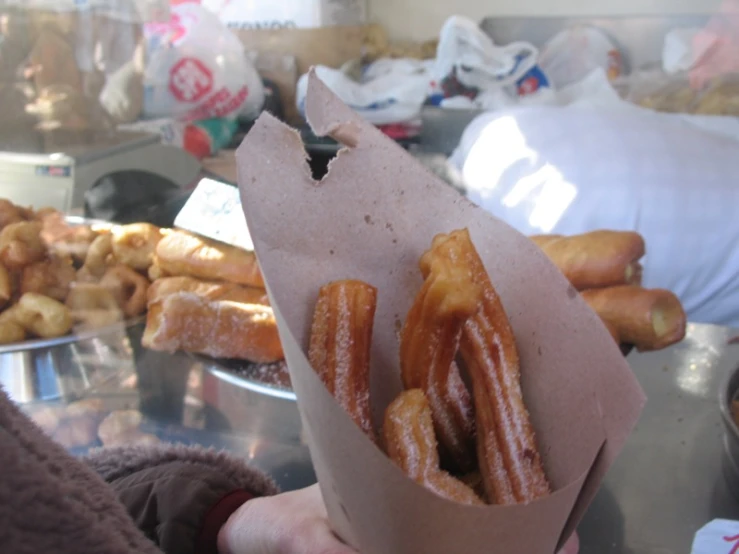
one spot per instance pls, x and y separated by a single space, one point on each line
250 400
68 366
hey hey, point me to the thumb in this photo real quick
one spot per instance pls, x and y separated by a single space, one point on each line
572 546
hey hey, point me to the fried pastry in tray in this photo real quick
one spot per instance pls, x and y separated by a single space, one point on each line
596 259
182 253
231 322
649 319
207 289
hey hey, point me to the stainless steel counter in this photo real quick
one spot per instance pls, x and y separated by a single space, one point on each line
668 483
664 487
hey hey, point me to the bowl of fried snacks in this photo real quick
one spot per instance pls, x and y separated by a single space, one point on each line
456 390
71 290
68 284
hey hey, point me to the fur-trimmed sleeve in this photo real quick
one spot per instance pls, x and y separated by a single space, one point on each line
52 502
179 496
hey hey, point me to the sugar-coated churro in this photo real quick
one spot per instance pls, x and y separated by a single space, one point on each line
510 463
411 443
340 341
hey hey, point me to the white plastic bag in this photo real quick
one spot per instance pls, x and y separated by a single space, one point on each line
469 64
574 53
569 170
465 50
198 69
391 91
682 52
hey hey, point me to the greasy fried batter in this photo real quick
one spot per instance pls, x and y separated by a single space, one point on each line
206 289
64 239
92 306
596 259
128 287
428 345
649 319
411 443
99 258
134 245
6 286
11 332
182 253
21 244
221 328
510 463
40 315
9 213
51 277
340 341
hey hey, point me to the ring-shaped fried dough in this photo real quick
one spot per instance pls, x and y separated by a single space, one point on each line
98 260
9 213
128 287
51 277
11 332
93 306
21 244
134 245
41 315
64 239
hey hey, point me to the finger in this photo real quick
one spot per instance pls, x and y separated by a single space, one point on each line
317 538
572 546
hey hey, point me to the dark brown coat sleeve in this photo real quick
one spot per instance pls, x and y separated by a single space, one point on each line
52 502
179 496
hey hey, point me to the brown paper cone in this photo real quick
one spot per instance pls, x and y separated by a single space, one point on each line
371 218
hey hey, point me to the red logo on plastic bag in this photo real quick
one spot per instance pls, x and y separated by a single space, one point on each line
190 80
528 86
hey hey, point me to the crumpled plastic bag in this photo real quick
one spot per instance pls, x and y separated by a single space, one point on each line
470 65
198 69
573 53
388 91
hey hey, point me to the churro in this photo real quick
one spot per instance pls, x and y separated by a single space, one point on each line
509 460
340 341
428 345
410 442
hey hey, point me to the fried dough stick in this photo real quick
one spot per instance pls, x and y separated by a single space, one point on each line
510 463
411 443
650 319
429 342
596 259
340 342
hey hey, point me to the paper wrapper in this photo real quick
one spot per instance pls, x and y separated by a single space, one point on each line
371 218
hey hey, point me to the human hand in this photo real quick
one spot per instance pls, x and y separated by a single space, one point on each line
290 523
293 523
572 546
